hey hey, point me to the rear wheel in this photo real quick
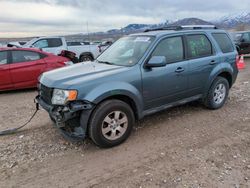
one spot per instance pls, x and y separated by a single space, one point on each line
217 94
111 123
86 57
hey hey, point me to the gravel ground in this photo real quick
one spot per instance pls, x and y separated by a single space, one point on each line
187 146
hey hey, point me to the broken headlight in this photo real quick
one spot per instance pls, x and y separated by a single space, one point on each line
61 97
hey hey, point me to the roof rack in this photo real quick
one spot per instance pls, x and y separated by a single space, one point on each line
176 28
185 27
199 27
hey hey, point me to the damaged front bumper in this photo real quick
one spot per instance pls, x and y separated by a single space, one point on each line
71 119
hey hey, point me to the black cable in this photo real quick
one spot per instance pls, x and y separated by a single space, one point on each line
13 130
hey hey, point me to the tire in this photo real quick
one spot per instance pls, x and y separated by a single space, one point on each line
106 135
217 94
86 57
52 119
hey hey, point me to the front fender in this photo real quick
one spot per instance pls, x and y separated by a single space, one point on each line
110 89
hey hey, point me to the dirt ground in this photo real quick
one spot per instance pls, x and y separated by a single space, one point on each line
187 146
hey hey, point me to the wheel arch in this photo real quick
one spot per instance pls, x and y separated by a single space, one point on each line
86 53
126 99
226 72
228 76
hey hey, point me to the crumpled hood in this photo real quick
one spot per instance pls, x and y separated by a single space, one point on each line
78 74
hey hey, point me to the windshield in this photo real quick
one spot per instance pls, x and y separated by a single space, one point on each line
127 51
236 36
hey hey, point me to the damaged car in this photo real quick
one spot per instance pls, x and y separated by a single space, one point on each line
139 75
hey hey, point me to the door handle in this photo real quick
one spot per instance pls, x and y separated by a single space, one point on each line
179 70
212 62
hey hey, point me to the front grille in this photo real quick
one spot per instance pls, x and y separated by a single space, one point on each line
46 93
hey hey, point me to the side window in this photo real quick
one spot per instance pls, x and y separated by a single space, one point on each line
24 56
171 48
246 37
55 42
41 44
3 58
224 42
198 46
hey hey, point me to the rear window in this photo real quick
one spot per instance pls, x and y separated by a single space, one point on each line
24 56
198 46
246 37
54 42
236 36
224 42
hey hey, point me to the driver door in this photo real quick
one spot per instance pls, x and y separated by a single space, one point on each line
168 84
50 45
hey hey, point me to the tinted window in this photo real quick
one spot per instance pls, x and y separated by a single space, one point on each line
224 42
24 56
3 58
198 46
56 42
171 48
246 37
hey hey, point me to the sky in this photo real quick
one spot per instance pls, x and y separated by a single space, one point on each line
24 18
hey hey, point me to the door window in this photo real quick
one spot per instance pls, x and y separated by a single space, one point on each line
171 48
198 46
24 56
41 44
55 42
3 58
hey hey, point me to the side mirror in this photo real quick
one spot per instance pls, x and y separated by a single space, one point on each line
157 61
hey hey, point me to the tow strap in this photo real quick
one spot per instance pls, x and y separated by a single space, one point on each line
14 130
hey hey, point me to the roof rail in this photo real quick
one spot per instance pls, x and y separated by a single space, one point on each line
185 27
176 28
199 27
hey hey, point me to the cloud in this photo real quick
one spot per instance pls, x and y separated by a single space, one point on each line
56 17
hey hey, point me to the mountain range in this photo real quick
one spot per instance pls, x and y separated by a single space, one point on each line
231 22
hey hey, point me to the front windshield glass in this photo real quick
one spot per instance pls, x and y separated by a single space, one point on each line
236 36
127 51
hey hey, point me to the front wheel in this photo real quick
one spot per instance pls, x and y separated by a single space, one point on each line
217 94
111 123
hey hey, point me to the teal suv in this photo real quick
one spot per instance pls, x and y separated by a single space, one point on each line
139 75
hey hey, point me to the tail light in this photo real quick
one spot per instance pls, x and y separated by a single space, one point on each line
68 63
237 61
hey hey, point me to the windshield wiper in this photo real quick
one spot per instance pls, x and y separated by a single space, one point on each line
105 62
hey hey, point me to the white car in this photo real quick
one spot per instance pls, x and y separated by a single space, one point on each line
56 45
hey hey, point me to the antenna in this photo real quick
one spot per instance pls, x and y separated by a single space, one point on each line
88 35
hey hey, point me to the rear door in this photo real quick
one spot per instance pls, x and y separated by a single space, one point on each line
5 78
202 59
25 68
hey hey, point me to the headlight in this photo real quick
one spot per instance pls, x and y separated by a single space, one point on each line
60 97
